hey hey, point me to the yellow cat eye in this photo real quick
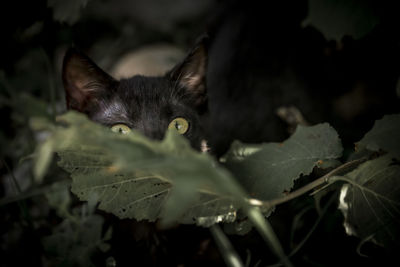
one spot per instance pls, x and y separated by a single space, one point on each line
180 125
120 128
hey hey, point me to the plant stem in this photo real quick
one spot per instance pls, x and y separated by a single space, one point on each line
263 226
325 209
320 181
229 254
52 87
265 229
308 235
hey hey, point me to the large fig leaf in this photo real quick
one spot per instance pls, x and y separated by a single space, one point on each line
134 177
370 202
385 135
270 169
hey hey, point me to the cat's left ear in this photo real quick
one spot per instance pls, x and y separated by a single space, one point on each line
191 74
84 82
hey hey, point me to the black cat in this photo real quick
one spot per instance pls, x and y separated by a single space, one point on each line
256 58
228 87
147 104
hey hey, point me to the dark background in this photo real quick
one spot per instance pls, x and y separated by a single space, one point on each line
360 67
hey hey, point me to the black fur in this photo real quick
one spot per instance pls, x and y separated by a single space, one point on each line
241 73
257 57
145 104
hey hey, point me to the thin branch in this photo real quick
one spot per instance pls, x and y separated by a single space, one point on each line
320 181
264 228
229 254
310 232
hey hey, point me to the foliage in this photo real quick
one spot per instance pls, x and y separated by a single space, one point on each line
134 177
77 237
381 136
337 18
46 224
370 201
268 170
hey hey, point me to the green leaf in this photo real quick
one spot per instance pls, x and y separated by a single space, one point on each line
383 136
58 197
370 201
271 170
75 240
43 160
79 236
29 105
336 18
330 163
135 177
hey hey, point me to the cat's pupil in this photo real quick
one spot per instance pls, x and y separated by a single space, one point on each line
120 130
177 125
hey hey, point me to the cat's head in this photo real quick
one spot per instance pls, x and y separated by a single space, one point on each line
149 105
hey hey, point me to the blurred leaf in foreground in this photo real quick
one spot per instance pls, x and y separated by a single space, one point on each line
135 177
59 198
81 233
385 135
370 202
269 170
76 239
29 106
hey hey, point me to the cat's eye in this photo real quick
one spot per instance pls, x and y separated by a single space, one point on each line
180 125
120 128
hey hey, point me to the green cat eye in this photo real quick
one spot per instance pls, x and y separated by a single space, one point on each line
120 128
180 125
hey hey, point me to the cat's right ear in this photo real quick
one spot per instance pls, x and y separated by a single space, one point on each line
190 74
84 82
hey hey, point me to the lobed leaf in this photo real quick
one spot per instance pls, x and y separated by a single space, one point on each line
135 177
271 169
384 135
370 201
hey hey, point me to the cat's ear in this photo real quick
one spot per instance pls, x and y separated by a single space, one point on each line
191 74
84 82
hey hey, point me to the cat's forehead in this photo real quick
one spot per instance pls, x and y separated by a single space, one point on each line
146 97
114 106
140 87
